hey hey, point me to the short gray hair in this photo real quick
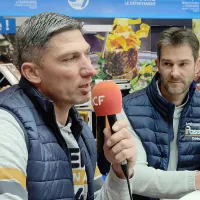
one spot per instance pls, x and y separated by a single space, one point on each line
33 35
178 36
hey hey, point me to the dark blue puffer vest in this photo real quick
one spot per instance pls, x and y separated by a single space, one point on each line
49 170
152 119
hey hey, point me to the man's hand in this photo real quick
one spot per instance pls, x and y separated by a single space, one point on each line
120 146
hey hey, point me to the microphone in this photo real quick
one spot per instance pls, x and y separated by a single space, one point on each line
107 101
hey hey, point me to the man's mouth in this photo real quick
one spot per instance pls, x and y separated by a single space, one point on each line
84 86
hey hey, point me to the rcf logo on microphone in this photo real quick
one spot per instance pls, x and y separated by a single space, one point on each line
97 101
106 98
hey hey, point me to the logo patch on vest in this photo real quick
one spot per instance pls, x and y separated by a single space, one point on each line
192 130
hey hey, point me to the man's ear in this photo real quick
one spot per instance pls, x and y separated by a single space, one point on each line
31 73
197 66
157 64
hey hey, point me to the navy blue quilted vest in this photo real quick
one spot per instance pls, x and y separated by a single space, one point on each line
49 170
152 118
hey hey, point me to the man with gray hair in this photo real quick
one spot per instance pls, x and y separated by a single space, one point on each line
47 152
165 121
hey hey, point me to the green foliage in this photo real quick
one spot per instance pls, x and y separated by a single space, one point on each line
144 76
101 74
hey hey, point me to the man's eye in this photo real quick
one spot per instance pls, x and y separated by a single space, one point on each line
69 59
167 64
183 64
87 54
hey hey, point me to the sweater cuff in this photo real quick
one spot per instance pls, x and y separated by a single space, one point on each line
117 185
191 181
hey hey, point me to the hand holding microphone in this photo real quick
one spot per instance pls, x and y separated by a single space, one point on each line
119 146
119 149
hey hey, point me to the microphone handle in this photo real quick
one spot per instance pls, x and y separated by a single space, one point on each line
112 119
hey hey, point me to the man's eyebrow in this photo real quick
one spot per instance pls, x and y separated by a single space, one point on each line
185 60
71 52
164 60
168 60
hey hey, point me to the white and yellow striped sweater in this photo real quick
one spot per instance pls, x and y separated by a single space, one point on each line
13 162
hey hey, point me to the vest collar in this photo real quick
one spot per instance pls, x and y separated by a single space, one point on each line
45 107
164 107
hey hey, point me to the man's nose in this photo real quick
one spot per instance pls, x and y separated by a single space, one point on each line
87 68
175 73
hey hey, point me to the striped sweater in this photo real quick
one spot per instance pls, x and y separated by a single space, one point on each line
13 163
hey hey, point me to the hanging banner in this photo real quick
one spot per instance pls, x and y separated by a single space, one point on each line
7 25
162 9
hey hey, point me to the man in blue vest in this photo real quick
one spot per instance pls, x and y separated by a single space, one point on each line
47 152
165 121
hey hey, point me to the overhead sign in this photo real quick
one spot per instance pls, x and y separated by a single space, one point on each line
7 25
162 9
